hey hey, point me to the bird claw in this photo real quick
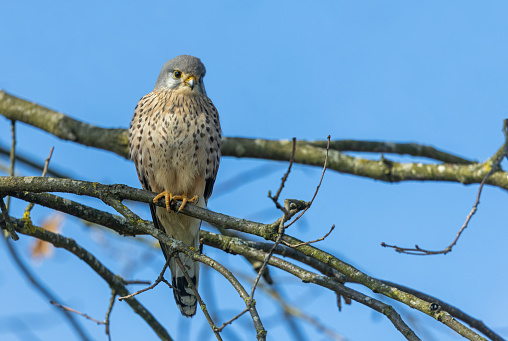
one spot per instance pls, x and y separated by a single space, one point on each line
169 198
185 200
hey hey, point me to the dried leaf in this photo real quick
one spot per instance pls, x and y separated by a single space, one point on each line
40 249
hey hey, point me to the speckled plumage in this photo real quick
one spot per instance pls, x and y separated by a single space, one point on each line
175 140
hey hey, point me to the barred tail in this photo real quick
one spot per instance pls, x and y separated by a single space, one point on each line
184 295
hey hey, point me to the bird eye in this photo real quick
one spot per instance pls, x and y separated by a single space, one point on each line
177 74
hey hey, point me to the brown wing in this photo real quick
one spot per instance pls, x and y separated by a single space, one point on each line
135 132
214 150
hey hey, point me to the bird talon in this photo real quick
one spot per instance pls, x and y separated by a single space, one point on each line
168 198
185 200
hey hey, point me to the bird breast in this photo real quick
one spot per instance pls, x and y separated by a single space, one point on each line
177 141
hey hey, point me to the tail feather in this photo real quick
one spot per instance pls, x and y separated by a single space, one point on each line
184 295
185 229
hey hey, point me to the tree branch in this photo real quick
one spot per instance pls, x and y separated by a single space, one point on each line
13 185
62 126
33 163
41 288
236 246
308 153
123 226
113 280
412 149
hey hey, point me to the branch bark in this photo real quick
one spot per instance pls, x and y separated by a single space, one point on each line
13 186
457 169
114 281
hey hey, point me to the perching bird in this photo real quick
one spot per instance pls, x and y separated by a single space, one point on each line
174 141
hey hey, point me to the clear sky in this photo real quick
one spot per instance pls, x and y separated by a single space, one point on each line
431 72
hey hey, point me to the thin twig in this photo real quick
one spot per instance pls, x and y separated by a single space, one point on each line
198 297
12 157
42 289
285 211
108 313
8 225
97 190
292 311
284 178
114 281
314 241
284 218
164 238
317 188
236 317
24 159
269 255
157 281
76 312
135 281
326 282
31 205
496 160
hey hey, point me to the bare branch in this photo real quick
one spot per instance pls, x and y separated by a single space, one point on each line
116 140
12 157
108 313
30 206
178 246
269 232
9 228
135 281
496 161
412 149
237 246
36 283
157 281
317 188
233 319
34 163
198 297
113 280
275 198
314 241
76 312
453 311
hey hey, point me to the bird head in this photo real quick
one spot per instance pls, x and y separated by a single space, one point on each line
182 74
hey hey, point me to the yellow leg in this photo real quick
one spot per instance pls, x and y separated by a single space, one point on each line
169 197
185 200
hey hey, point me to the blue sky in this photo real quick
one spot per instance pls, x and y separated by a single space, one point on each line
406 71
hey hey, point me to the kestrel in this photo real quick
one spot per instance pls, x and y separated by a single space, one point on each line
174 141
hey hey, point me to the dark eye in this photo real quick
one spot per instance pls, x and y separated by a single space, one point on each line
177 74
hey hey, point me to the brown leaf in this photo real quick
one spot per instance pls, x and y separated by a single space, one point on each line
40 249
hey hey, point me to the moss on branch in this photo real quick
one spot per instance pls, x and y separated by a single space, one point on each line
456 169
13 185
114 281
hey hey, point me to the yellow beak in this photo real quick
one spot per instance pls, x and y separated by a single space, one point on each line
191 81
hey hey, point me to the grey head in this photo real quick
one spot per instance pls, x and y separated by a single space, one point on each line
184 74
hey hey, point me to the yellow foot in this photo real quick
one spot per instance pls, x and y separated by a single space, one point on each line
185 200
169 197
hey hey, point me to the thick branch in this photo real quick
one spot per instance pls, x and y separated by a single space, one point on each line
63 126
412 149
269 232
42 289
237 246
123 226
90 214
308 153
113 280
